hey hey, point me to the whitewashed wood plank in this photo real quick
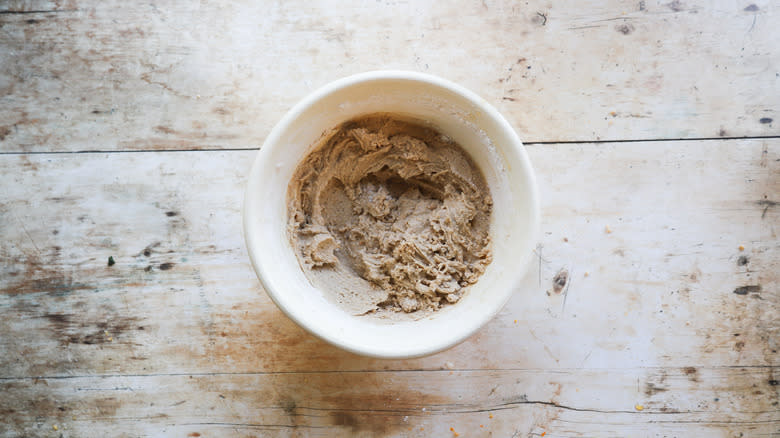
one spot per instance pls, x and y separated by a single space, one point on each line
658 290
36 7
185 75
716 402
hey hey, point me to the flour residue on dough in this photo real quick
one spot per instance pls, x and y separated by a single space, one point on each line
388 216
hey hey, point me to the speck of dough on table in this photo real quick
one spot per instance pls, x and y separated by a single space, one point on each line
389 217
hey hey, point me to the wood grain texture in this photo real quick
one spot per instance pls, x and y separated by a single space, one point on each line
716 402
117 75
664 310
651 308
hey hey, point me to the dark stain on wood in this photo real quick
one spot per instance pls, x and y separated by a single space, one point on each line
560 279
4 132
767 204
289 406
59 320
61 198
171 213
692 373
676 6
652 389
43 273
77 328
25 401
150 248
27 164
743 260
540 19
107 406
751 8
365 423
166 266
276 329
302 394
346 419
739 345
625 28
765 120
656 383
176 223
744 290
763 161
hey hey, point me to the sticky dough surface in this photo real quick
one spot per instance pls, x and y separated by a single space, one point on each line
389 217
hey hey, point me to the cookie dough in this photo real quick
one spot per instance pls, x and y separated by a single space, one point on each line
389 216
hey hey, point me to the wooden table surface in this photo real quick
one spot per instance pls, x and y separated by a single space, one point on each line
651 309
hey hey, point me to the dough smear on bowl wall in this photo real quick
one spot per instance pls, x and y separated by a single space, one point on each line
389 218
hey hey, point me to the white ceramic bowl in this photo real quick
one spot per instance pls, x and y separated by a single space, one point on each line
455 112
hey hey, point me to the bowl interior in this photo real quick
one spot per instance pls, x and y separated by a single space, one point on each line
453 111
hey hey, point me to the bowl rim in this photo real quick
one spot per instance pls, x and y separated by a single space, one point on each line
382 75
